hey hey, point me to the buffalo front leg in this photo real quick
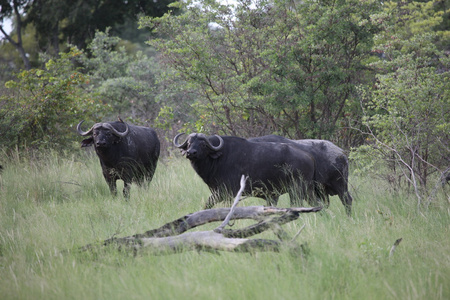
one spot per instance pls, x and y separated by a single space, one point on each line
321 195
300 191
111 181
209 203
112 186
219 194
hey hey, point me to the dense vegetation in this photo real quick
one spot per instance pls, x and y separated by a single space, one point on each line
371 76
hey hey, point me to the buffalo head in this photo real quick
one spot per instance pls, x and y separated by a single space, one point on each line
102 135
199 146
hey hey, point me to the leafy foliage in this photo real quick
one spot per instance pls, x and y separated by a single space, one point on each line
108 81
274 67
77 21
125 81
408 109
52 24
45 104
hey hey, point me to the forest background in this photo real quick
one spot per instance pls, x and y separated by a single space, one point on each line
371 76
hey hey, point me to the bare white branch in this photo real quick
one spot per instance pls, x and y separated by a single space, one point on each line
236 201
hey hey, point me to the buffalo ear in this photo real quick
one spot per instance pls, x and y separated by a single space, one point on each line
87 142
215 154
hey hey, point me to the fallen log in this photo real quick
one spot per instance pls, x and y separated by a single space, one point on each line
173 236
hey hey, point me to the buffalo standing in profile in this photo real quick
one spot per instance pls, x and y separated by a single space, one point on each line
331 176
273 168
126 152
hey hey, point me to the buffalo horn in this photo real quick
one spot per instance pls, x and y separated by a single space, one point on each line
84 133
115 132
175 141
215 148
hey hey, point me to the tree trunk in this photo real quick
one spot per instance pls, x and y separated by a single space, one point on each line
18 44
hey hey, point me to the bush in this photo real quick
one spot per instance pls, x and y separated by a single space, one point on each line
45 104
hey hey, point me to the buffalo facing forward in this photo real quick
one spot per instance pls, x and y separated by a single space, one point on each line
273 168
126 152
331 177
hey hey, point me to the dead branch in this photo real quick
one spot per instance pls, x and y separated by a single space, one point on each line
298 233
173 236
397 242
236 201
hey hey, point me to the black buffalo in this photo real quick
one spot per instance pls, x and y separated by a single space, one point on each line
126 152
331 176
273 168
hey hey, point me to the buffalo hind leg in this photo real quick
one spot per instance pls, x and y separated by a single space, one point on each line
126 190
304 191
272 201
321 195
347 200
213 199
298 191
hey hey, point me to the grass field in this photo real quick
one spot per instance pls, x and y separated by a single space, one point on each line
58 203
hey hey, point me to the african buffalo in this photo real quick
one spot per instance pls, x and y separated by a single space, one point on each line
273 168
126 152
331 177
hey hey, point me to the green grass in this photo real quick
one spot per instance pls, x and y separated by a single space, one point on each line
60 203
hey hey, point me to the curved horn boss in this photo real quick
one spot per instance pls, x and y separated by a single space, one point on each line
211 146
175 141
84 133
115 131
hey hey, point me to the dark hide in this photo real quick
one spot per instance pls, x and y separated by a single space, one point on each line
132 158
331 175
273 168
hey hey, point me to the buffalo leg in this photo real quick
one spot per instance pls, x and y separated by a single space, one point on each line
295 199
272 201
212 200
220 194
321 194
126 190
111 178
347 200
112 186
320 200
302 191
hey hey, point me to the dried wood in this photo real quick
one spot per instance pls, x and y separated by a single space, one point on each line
173 236
397 242
233 207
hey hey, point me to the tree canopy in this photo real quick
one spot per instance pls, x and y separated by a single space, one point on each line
276 67
407 110
61 22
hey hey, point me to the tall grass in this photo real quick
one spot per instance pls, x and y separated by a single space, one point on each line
58 203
